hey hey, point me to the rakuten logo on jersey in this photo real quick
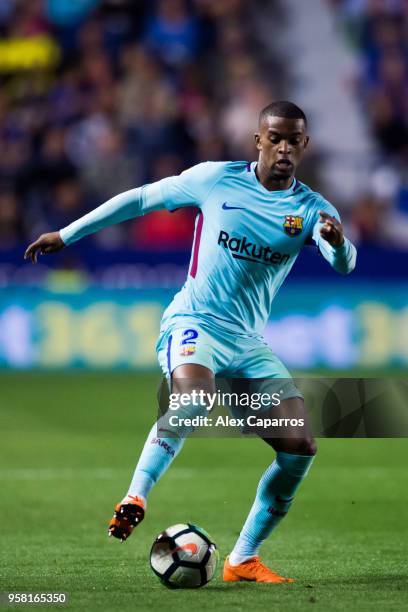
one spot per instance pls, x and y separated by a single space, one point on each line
241 248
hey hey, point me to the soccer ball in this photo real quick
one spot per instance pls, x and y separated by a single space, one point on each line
184 556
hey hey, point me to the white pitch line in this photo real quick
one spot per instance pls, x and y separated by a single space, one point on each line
78 473
57 473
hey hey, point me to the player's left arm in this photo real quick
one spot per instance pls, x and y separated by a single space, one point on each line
328 234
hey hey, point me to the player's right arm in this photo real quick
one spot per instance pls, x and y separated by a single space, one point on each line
190 188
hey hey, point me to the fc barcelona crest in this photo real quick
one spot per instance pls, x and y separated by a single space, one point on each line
293 225
187 349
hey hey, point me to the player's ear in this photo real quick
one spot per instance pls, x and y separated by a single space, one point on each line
306 141
258 140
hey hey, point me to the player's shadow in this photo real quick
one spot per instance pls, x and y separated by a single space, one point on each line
245 584
378 579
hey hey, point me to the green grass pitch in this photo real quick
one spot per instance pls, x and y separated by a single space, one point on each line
69 443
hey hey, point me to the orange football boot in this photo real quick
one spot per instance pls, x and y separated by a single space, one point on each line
252 570
128 514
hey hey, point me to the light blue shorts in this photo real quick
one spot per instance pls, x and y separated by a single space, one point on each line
225 354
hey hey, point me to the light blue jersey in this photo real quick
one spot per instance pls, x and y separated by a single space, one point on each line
246 240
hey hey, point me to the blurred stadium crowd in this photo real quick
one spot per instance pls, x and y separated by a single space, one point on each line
377 31
99 96
131 92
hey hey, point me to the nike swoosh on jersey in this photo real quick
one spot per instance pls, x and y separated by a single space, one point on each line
225 206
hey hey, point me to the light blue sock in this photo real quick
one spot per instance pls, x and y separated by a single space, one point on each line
156 457
158 451
274 496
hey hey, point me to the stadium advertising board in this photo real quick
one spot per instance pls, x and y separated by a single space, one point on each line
95 328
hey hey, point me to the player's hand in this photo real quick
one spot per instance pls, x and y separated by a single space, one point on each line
46 243
331 230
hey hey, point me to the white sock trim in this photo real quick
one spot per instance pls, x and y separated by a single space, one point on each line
235 559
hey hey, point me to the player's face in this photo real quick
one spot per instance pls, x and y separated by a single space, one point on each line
281 143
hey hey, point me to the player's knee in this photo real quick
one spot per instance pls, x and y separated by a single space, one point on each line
307 446
294 446
302 446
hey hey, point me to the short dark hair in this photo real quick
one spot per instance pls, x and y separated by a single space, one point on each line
282 108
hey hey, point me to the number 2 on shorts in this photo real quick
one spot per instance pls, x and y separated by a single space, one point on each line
189 336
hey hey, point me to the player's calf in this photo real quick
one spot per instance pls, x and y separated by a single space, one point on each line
128 514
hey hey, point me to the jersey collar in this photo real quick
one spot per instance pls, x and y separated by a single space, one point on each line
279 192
